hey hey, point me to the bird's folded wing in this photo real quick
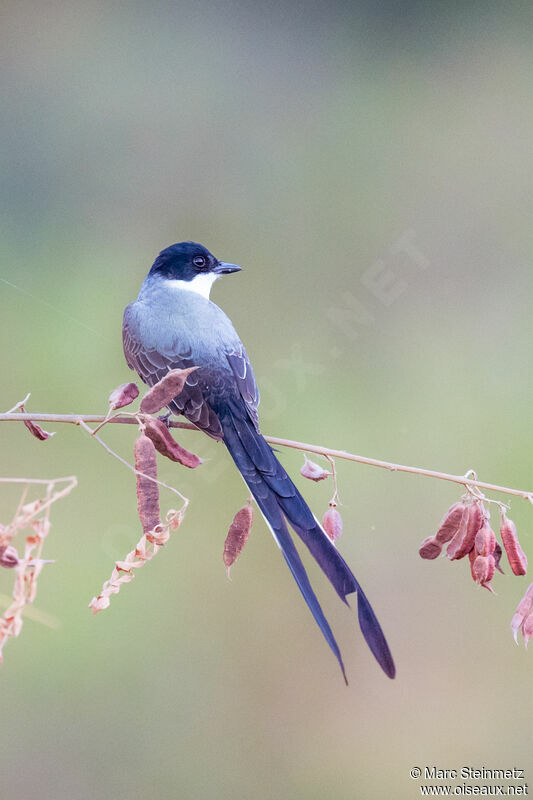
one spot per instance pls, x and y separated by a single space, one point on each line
245 380
152 365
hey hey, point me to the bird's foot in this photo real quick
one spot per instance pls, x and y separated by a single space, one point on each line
165 419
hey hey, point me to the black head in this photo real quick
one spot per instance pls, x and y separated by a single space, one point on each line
186 260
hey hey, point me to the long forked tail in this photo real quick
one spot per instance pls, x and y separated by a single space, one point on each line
280 502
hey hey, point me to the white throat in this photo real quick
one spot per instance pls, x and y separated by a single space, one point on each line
201 284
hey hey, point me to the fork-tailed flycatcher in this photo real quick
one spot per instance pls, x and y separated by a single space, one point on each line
173 324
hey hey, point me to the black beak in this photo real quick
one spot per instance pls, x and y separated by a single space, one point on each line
222 268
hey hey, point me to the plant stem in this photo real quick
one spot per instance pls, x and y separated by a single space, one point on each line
83 419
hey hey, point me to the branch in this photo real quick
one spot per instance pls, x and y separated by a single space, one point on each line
465 529
328 452
77 419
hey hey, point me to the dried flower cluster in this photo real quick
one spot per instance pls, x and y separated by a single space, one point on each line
33 517
154 438
466 530
145 549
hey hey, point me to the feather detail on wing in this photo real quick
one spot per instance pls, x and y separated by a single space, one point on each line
244 376
151 366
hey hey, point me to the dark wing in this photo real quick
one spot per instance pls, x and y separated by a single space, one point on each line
244 377
151 366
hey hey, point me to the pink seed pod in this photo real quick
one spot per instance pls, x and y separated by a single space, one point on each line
463 541
123 395
473 554
163 392
237 535
164 442
485 541
523 612
35 429
430 548
515 555
490 576
450 523
332 523
483 570
147 490
313 471
8 556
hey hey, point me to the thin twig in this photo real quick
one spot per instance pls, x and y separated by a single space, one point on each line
392 467
20 404
335 498
129 466
77 419
69 478
20 503
106 419
71 481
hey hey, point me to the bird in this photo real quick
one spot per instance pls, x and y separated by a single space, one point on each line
173 324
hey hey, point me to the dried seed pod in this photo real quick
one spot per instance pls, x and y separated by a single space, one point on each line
313 471
164 442
450 523
523 612
493 542
473 554
515 555
463 541
485 541
123 395
99 604
169 387
332 522
497 557
8 556
35 429
430 548
491 570
455 543
238 535
175 518
483 570
147 490
159 535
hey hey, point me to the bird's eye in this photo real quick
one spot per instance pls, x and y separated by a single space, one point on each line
199 261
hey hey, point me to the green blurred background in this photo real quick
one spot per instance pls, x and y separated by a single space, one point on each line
309 142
